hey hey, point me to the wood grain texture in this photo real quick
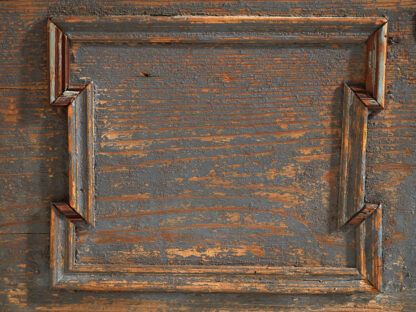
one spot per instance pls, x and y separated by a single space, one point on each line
33 171
200 164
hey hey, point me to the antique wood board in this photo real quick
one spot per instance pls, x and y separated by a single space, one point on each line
291 225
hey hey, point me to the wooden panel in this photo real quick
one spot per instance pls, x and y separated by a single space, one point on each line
33 140
213 178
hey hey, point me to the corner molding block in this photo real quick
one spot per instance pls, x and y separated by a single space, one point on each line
79 101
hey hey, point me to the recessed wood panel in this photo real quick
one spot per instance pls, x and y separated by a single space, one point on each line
207 159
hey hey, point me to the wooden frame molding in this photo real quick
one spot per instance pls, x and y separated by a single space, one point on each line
79 99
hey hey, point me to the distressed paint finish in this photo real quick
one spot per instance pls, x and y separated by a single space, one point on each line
34 172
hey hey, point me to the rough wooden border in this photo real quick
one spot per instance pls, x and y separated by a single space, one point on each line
358 100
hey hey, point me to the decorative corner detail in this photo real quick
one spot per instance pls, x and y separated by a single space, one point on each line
60 92
79 102
357 103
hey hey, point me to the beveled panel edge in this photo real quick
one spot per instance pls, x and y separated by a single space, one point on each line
218 29
376 65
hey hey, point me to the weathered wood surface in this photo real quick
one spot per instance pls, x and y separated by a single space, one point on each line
33 170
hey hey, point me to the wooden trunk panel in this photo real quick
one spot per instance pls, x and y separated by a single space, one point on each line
25 200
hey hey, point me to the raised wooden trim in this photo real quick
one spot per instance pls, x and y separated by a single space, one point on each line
66 273
353 147
60 92
369 248
79 100
81 157
218 29
376 65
